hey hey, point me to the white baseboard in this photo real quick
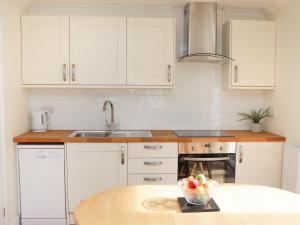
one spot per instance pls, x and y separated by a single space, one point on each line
15 221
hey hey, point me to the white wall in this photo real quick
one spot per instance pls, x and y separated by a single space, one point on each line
16 102
1 119
285 98
197 102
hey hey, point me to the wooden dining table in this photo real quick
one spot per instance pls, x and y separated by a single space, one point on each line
157 205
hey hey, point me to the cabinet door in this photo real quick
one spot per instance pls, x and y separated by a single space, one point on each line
45 50
98 50
253 48
93 168
259 163
150 51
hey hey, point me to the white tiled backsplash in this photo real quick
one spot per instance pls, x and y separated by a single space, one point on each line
197 102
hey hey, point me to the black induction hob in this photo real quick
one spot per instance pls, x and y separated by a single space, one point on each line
201 133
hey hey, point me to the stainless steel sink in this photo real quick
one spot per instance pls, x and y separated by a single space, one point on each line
104 133
90 134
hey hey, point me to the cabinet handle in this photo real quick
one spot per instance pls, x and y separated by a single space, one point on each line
65 72
153 147
169 73
236 74
73 72
153 179
241 157
155 163
122 155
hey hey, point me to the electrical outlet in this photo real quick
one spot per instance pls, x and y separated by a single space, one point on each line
48 108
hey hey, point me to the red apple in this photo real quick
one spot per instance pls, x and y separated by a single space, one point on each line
193 184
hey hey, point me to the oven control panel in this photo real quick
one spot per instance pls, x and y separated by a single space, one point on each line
206 147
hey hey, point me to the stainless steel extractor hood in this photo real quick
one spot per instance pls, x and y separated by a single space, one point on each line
200 33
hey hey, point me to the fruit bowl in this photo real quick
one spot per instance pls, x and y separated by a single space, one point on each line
197 194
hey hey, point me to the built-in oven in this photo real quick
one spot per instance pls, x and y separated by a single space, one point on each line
216 160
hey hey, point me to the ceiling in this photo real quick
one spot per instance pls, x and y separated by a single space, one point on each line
268 5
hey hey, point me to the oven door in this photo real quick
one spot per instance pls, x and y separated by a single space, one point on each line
219 167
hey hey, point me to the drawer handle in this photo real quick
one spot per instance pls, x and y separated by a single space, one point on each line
153 179
155 163
153 147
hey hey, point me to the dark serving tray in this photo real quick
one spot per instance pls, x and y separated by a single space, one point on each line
189 208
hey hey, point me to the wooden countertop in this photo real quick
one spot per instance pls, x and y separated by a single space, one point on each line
148 205
158 136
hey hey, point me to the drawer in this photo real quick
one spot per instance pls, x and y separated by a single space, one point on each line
152 165
145 179
152 150
38 221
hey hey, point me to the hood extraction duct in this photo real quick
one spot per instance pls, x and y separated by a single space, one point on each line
200 34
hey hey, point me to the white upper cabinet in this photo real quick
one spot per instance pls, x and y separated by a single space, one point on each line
45 50
98 50
83 51
252 45
150 51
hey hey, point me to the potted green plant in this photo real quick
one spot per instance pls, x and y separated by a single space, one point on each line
256 117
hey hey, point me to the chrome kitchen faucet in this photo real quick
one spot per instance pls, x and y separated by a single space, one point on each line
112 125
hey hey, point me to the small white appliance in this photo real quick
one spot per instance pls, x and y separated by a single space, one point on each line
42 184
40 121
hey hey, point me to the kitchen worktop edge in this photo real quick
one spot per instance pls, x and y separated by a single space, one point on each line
62 136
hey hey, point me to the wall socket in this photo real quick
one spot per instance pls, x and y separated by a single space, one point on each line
48 108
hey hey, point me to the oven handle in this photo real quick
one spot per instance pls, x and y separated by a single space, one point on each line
206 159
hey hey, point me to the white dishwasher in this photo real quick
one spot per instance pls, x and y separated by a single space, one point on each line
42 184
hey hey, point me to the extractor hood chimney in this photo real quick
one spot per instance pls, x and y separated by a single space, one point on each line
200 33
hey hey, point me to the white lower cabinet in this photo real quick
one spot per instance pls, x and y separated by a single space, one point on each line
152 163
259 163
94 167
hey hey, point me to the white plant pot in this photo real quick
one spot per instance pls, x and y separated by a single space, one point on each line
256 127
